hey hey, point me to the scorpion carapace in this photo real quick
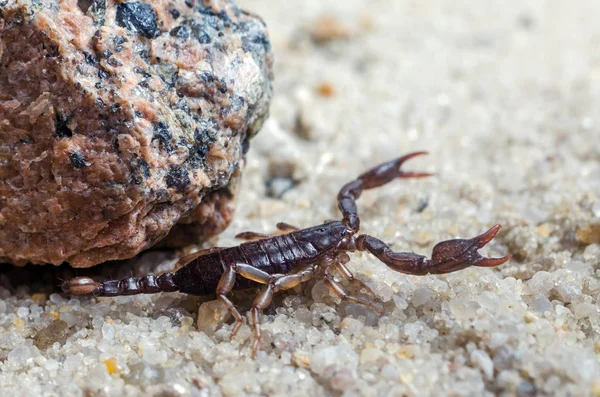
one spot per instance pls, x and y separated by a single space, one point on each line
282 262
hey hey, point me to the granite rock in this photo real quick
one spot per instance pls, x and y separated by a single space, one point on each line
122 122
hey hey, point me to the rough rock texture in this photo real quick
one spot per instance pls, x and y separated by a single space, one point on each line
505 95
120 119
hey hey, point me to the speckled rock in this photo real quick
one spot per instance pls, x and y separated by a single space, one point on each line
122 122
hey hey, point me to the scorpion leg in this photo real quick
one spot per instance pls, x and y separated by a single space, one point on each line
337 289
225 286
251 236
261 302
286 227
340 265
447 256
227 282
343 295
376 177
273 283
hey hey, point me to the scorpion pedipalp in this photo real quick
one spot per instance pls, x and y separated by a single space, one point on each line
452 255
447 256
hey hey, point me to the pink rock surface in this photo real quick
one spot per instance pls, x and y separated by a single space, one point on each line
123 122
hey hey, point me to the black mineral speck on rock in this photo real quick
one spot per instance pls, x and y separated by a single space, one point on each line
163 135
183 105
204 38
161 132
207 77
103 74
90 59
175 13
141 171
95 9
139 18
78 160
236 102
62 130
178 179
118 41
182 32
255 41
144 167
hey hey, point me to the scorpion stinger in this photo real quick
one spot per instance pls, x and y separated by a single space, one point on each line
283 261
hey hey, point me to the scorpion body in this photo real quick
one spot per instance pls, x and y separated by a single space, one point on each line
273 255
284 261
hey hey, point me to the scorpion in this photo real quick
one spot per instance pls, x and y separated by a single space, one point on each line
283 261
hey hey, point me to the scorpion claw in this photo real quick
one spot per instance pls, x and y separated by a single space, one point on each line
482 240
486 237
409 174
452 255
416 174
491 262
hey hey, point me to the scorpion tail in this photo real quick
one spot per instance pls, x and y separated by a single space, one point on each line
378 176
149 284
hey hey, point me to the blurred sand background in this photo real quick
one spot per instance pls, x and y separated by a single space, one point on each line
505 96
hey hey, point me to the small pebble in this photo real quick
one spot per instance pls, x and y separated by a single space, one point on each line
51 365
108 331
211 316
278 187
23 312
368 356
589 234
111 365
57 331
483 361
421 297
540 283
57 299
596 209
326 89
73 362
540 304
328 28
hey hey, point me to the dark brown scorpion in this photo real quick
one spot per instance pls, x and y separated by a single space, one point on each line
284 261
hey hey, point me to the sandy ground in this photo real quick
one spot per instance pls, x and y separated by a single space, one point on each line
504 95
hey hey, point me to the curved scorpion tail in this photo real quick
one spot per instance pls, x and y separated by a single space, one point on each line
148 284
378 176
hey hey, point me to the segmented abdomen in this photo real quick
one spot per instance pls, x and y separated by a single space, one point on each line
278 254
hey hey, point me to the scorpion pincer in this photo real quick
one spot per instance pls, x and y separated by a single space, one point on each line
282 262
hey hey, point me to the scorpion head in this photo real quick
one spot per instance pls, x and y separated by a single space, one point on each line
328 236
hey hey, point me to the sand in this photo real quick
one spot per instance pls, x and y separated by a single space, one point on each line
504 97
